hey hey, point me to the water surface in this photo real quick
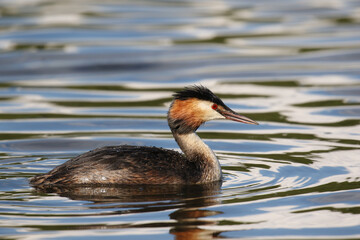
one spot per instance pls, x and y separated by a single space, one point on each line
78 75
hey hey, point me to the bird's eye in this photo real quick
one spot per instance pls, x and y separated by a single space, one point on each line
214 106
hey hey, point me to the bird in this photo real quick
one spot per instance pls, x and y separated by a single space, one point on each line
129 165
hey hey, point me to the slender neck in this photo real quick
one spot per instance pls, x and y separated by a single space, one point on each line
198 152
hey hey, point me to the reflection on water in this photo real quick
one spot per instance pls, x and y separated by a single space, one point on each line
203 194
78 75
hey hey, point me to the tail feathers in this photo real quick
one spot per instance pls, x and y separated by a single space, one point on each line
38 180
46 179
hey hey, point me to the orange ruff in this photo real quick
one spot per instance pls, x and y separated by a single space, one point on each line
188 111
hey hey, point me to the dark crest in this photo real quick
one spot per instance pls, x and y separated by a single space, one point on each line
199 92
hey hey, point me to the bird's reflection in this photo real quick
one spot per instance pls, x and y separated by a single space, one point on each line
188 224
146 198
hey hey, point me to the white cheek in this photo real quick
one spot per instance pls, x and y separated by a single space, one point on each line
209 113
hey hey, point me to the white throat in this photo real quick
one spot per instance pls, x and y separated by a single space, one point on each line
196 150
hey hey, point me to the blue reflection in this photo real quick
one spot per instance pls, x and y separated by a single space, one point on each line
341 112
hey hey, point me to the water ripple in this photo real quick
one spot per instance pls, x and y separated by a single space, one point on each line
78 75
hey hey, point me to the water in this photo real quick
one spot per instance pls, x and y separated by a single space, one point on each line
75 75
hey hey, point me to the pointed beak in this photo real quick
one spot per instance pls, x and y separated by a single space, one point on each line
231 115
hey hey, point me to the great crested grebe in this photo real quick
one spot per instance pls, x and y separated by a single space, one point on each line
190 108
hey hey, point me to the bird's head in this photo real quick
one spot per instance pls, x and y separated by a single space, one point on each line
195 105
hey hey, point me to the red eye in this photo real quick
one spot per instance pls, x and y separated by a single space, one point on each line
214 106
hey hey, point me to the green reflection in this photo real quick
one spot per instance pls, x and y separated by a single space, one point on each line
38 46
145 103
313 49
223 39
345 20
328 187
121 88
5 98
230 222
64 116
245 167
12 136
277 83
326 103
6 85
351 210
